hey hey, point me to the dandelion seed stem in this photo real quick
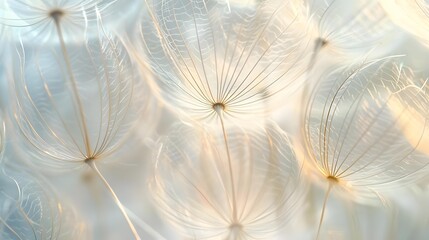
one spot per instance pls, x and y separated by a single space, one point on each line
93 166
320 43
331 181
219 108
56 16
354 221
146 227
235 231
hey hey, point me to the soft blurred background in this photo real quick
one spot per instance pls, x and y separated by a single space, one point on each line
398 214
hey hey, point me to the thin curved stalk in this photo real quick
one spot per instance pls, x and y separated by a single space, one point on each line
325 200
84 128
73 83
93 166
142 224
219 110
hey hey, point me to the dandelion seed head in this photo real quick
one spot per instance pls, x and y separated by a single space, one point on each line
76 106
247 58
354 136
30 210
349 31
40 19
206 197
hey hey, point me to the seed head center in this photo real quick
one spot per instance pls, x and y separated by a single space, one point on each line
235 227
218 106
89 159
56 14
322 41
332 179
